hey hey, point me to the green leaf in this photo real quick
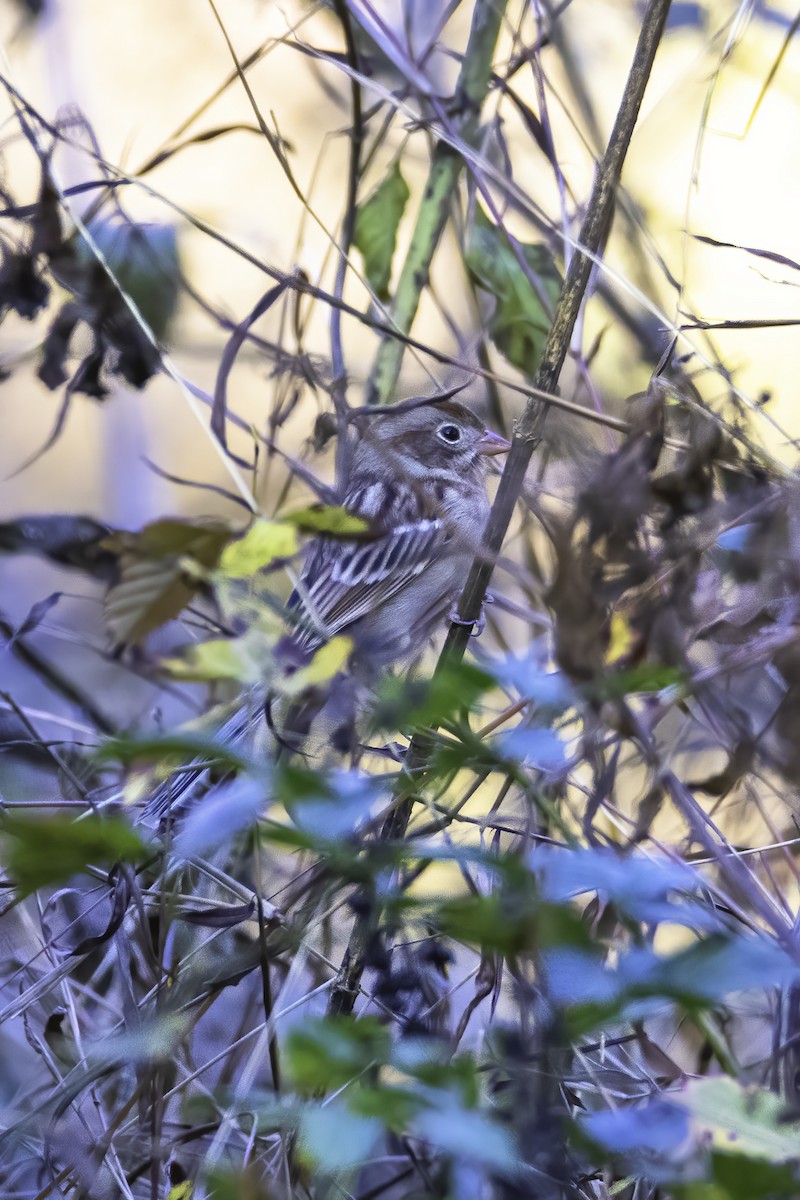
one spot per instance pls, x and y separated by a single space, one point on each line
512 922
457 1077
747 1121
327 518
467 1135
264 542
328 1052
395 1107
522 315
740 1178
420 703
145 261
224 1184
49 850
647 677
376 229
333 1138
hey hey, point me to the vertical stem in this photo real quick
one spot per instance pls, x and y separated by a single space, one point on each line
594 230
446 166
527 435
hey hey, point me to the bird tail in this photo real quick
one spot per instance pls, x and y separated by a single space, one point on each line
178 792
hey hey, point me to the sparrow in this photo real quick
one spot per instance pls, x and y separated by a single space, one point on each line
417 476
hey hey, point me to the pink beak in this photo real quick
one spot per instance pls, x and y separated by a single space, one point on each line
492 443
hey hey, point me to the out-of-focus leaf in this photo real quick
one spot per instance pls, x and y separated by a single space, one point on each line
641 981
47 850
243 659
732 1135
420 703
659 1127
222 1184
77 542
646 677
632 881
154 586
376 229
327 518
717 967
230 808
578 977
549 690
395 1107
522 315
467 1135
325 1053
145 261
334 1138
149 594
511 923
327 662
741 1120
181 1191
429 1063
540 748
739 1178
264 542
336 805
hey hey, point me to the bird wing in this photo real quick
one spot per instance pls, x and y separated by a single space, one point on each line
343 582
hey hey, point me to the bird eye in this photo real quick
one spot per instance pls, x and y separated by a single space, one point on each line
449 433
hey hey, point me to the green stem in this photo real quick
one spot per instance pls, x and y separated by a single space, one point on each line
446 166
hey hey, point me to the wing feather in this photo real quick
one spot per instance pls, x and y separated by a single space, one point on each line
343 583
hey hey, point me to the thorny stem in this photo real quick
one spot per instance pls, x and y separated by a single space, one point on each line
446 166
527 435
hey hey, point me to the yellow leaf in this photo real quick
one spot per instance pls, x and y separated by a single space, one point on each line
181 1191
621 639
327 661
220 658
327 518
264 542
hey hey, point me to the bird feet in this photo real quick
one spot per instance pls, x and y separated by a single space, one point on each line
480 624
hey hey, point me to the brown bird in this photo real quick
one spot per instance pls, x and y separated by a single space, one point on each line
417 475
